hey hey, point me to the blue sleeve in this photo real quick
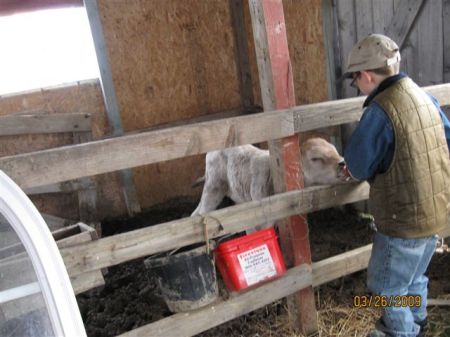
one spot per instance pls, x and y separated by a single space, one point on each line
371 146
444 118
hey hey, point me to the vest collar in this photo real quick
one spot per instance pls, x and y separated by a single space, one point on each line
386 83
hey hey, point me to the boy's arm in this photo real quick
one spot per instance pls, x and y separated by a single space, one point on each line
370 149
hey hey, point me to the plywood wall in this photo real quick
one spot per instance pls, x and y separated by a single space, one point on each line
176 59
170 60
173 60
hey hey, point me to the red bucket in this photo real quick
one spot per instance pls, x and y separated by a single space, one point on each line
249 260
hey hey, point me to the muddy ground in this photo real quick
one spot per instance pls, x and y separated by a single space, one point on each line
130 297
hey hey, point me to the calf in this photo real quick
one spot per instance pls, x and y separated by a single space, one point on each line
243 173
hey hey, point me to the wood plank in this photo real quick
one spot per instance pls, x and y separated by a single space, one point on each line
87 198
405 14
123 247
408 52
54 222
446 37
108 155
64 187
75 161
429 28
364 18
331 50
277 89
340 265
383 12
345 11
111 103
346 26
242 57
192 323
44 123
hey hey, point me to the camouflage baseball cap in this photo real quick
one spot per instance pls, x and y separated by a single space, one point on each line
373 52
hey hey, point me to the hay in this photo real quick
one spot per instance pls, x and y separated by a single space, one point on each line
337 317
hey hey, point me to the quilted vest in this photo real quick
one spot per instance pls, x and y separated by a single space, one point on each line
411 199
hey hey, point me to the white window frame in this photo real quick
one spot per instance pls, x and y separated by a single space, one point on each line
49 266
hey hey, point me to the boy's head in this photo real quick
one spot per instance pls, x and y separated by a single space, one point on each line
371 60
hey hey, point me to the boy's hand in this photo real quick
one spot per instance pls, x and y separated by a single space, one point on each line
344 173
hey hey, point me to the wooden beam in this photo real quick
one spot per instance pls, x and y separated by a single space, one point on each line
44 123
191 323
108 155
403 20
277 91
111 103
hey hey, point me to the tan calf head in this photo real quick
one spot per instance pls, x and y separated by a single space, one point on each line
322 164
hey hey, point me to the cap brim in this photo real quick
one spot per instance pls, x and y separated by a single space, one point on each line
345 76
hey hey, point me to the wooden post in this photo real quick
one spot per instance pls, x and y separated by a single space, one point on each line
277 91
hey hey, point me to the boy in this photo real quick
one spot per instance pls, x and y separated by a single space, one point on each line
401 147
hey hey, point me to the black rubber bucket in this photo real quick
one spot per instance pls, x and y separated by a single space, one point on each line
187 279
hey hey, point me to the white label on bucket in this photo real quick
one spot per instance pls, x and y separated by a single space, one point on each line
257 264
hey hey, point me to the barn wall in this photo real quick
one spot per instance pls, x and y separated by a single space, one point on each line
174 60
80 97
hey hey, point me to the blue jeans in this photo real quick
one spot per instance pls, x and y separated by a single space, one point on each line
396 268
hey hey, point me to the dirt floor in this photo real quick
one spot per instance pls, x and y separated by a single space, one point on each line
131 297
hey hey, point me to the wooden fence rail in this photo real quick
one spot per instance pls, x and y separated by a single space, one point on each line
142 242
81 160
295 279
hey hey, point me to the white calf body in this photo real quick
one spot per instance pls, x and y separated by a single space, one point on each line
242 173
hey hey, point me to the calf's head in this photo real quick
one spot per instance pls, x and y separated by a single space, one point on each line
322 164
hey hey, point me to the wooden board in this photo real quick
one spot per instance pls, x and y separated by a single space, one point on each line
72 162
429 70
446 38
192 323
44 123
277 92
179 233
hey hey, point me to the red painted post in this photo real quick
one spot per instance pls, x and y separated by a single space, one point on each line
277 89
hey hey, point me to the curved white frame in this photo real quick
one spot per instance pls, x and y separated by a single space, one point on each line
51 273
